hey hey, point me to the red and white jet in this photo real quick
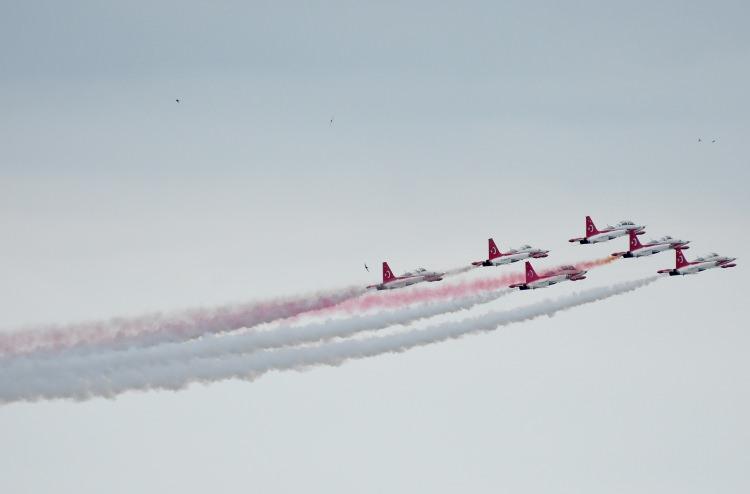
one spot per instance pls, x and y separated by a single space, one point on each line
594 235
390 281
497 258
637 249
683 266
558 275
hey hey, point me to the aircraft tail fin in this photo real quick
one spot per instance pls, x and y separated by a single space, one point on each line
387 273
530 273
590 227
680 258
634 242
493 250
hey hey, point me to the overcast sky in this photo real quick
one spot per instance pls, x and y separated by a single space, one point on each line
452 123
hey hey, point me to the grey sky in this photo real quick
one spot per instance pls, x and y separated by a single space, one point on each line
452 124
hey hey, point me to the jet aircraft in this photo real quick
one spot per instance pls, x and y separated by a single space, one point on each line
683 266
497 258
390 281
557 275
594 235
637 249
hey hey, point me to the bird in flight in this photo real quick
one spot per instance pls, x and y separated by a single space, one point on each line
331 122
177 100
368 269
700 140
713 140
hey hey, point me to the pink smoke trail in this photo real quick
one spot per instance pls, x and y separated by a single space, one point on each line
158 328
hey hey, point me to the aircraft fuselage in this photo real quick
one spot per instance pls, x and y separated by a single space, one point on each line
409 280
647 250
604 236
698 267
545 282
511 258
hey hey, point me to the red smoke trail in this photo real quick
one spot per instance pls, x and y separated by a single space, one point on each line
158 328
595 263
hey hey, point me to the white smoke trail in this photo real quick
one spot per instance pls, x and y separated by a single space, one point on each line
215 346
157 328
177 375
461 270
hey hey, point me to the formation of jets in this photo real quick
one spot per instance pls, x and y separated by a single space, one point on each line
571 273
